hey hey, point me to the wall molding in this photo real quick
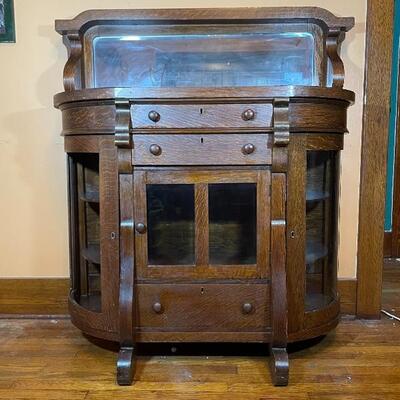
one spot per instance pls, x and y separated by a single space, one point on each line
48 296
34 296
347 289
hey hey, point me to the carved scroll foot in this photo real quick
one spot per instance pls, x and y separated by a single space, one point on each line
279 366
125 366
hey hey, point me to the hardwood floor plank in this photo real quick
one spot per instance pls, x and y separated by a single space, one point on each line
43 394
51 359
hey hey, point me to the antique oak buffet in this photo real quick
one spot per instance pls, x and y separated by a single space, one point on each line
203 155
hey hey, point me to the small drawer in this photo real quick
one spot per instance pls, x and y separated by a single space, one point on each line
211 149
201 115
209 307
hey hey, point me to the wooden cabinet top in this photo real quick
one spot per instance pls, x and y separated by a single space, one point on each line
315 15
204 48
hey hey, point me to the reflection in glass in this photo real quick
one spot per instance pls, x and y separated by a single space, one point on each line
232 223
210 60
170 219
321 229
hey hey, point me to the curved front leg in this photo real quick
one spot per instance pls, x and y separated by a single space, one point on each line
125 366
125 363
279 366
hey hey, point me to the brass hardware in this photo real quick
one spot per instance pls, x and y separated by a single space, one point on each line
154 116
247 308
248 148
157 308
155 149
248 115
140 227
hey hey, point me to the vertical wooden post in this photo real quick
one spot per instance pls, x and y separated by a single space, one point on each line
373 157
279 361
125 363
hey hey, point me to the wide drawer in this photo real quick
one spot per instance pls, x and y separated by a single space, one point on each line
208 307
201 115
211 149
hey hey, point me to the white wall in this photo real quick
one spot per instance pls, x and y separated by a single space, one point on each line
33 208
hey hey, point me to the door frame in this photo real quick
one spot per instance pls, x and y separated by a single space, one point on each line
378 62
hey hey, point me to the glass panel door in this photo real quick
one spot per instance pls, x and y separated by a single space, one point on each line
170 220
85 229
202 224
232 211
320 229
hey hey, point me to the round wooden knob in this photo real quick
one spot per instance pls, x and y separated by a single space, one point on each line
157 308
248 148
247 308
155 149
248 115
140 227
154 116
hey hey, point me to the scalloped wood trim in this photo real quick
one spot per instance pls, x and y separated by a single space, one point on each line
316 15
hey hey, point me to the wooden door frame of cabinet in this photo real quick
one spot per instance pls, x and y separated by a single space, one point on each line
379 37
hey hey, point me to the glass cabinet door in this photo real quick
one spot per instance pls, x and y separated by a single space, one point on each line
171 224
84 203
206 224
320 229
232 217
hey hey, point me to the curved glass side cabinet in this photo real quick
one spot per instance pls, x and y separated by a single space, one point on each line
203 149
320 229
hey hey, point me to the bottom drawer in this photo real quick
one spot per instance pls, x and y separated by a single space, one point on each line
209 307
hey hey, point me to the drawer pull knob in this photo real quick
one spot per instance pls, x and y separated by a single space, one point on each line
247 308
248 148
140 227
155 149
154 116
248 115
157 308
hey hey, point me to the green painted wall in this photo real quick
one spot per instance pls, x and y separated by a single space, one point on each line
392 122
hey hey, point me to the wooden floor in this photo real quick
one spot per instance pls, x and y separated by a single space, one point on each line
50 359
391 286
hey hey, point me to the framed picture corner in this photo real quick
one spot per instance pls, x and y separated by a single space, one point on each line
7 21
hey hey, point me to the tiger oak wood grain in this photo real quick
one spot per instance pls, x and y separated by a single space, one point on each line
200 137
208 149
204 307
201 116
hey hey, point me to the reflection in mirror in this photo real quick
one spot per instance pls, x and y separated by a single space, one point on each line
207 60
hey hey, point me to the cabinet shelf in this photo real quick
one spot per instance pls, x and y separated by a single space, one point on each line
315 301
316 195
90 197
315 252
91 253
91 302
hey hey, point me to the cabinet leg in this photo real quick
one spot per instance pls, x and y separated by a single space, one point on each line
279 366
125 366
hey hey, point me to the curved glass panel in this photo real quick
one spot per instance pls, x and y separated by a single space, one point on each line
321 229
208 60
85 229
